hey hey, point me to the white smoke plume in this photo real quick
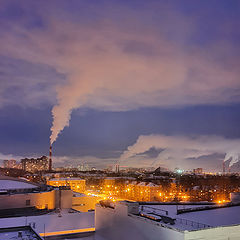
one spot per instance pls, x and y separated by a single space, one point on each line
102 74
113 66
177 150
233 157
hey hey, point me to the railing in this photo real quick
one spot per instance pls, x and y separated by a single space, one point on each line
192 223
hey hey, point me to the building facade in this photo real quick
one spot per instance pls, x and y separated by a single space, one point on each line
20 194
76 184
35 164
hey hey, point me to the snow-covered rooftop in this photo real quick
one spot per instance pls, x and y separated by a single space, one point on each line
215 217
18 233
66 179
8 184
53 222
196 219
152 185
142 184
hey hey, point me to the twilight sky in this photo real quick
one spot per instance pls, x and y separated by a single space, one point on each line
143 83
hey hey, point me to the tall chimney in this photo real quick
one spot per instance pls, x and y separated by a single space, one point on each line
223 167
50 158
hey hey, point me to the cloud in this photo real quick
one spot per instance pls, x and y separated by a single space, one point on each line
9 156
151 152
117 65
185 152
27 84
182 151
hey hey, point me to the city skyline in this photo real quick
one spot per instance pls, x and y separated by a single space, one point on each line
141 84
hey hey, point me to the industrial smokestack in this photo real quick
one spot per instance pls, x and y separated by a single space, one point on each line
50 158
223 167
117 168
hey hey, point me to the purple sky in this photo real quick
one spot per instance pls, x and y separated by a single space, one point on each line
107 76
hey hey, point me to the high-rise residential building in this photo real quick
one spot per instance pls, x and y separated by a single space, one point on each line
10 163
35 164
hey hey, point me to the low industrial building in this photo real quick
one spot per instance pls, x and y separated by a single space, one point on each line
112 220
128 220
20 194
55 225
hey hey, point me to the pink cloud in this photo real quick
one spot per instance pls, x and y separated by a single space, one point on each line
104 73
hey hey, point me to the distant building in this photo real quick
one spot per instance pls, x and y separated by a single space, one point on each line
198 171
76 184
108 185
11 164
143 191
35 164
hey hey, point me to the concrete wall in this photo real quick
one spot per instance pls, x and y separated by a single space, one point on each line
40 200
218 233
84 203
118 224
50 200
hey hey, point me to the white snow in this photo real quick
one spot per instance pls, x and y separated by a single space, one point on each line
12 184
215 217
11 234
52 222
194 220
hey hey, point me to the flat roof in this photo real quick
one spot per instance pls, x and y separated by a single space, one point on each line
202 216
66 179
24 232
216 217
9 184
54 223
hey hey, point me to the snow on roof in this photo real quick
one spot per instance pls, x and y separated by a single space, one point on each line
152 185
133 183
7 184
216 217
14 233
212 217
141 184
66 179
52 222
